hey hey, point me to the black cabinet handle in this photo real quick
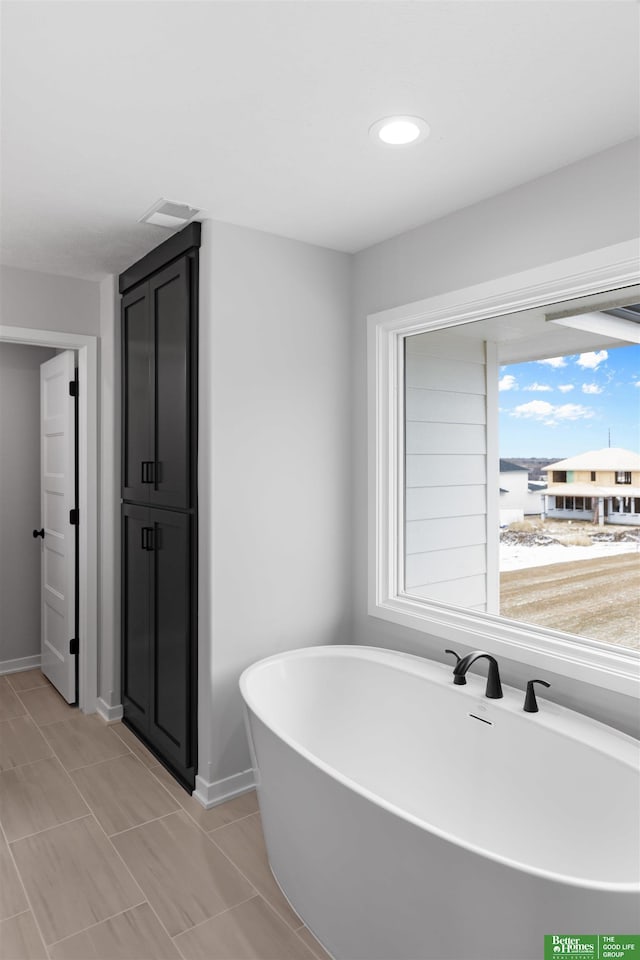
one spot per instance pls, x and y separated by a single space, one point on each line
148 471
147 538
39 533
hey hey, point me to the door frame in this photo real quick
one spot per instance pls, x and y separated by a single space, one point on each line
88 440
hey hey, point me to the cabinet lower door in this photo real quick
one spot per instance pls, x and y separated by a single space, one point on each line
158 681
136 625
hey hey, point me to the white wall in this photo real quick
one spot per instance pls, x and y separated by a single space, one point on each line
19 501
40 301
44 301
582 207
274 466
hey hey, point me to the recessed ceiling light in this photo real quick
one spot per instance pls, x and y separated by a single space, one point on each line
167 213
399 131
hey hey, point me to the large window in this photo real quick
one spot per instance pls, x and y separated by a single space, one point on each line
438 486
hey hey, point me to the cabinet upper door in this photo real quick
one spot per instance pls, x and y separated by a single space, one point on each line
137 400
171 377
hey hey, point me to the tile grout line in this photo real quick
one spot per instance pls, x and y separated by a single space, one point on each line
13 916
205 833
311 949
113 848
126 866
55 943
232 862
144 823
297 929
201 923
231 822
54 826
24 890
94 763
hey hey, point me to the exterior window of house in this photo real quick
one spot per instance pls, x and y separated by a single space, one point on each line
579 503
626 505
569 503
623 476
593 476
559 503
588 503
559 476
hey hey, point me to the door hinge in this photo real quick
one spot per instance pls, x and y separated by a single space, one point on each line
73 388
73 645
73 517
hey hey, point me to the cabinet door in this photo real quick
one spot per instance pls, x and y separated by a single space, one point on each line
137 400
172 637
171 374
136 625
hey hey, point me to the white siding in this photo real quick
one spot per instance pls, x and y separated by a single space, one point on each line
449 531
465 592
446 469
422 503
444 406
444 565
458 470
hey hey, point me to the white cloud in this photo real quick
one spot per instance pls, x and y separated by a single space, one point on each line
591 388
565 387
550 414
535 408
637 383
508 382
554 362
590 361
539 388
572 411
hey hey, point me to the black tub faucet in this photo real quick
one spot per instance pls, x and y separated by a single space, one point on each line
530 702
494 687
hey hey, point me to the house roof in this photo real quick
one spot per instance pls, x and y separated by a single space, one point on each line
609 458
507 466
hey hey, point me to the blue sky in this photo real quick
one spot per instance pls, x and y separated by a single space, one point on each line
566 405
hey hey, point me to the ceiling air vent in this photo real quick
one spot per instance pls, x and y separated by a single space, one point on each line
167 213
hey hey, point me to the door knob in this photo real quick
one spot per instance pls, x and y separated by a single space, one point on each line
39 533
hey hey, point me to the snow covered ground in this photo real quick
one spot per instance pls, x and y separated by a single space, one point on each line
521 556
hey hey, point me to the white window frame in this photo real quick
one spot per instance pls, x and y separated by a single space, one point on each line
609 269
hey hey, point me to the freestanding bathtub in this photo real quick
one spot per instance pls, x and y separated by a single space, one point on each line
410 819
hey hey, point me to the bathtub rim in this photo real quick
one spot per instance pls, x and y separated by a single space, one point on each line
382 654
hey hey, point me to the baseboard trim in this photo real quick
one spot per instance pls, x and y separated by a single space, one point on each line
108 714
211 794
19 665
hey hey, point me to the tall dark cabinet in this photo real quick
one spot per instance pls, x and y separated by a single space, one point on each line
159 500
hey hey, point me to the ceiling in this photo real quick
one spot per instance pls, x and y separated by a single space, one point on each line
258 112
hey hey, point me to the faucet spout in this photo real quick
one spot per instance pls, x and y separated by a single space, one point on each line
494 687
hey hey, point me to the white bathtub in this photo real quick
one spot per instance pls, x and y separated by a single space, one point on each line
401 826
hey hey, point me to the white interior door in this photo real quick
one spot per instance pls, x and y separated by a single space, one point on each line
57 488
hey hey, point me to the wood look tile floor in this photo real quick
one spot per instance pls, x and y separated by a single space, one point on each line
103 856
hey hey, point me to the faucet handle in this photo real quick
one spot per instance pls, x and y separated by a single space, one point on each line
461 681
530 702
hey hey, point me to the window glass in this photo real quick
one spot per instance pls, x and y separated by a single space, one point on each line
509 475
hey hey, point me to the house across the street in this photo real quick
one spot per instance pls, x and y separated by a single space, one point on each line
601 485
519 497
